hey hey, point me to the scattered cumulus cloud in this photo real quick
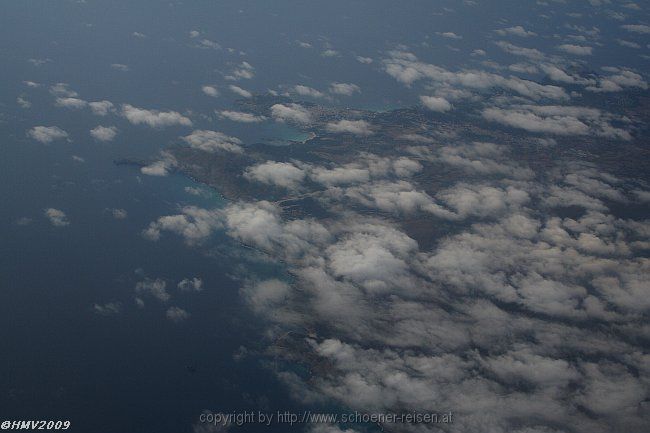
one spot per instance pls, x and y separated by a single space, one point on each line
239 91
74 103
210 91
211 141
57 217
194 224
191 284
101 108
330 53
449 35
577 50
308 91
160 167
177 314
119 214
637 28
153 118
290 113
104 133
243 71
108 309
63 90
559 120
282 174
120 67
345 89
208 44
516 50
47 134
407 69
24 103
435 103
157 288
516 31
356 127
238 116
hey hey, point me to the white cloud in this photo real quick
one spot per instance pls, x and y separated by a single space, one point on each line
73 103
516 31
47 134
340 175
555 73
555 119
194 224
330 53
435 103
239 91
628 44
191 284
266 296
154 118
160 167
208 44
108 309
210 91
346 89
211 141
156 288
57 217
482 158
366 167
62 90
399 197
577 50
243 71
449 35
290 113
523 68
120 67
632 6
637 28
104 133
24 103
238 116
618 79
282 174
530 53
177 314
101 108
356 127
119 214
308 91
406 68
468 200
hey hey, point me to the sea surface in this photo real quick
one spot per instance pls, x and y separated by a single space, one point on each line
134 370
137 371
